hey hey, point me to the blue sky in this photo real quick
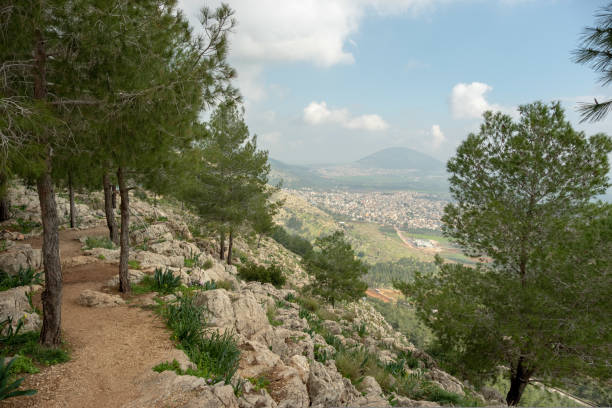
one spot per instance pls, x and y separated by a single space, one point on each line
334 80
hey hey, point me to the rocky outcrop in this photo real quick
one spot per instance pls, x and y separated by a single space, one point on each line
326 387
14 304
92 298
167 389
18 256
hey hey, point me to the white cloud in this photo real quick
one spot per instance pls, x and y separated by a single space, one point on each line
437 136
468 101
315 31
317 113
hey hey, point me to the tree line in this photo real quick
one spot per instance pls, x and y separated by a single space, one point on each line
109 94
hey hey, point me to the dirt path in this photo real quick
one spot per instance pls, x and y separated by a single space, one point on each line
111 347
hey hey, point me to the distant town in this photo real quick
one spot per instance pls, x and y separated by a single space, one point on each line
401 209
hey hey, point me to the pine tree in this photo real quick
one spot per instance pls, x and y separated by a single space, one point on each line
336 269
538 301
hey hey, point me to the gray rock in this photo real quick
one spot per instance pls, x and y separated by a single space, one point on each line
93 298
20 256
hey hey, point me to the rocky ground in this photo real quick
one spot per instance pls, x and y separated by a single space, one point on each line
116 341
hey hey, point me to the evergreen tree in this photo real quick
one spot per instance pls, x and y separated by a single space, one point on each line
539 299
229 175
336 269
596 51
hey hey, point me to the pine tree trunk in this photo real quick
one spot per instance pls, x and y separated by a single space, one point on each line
259 241
108 210
52 295
518 381
5 204
124 278
230 246
72 206
114 196
221 245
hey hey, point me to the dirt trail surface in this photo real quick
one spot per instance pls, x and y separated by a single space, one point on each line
111 347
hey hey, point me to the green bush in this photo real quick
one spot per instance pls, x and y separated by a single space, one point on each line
134 264
207 264
271 314
23 277
291 298
99 242
272 274
26 344
8 388
165 282
225 284
260 383
309 303
185 320
26 226
23 364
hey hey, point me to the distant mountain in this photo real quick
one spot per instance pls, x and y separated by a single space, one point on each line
401 158
294 176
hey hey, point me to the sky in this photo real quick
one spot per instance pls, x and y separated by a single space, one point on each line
331 81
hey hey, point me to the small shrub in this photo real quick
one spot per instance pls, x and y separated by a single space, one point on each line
165 282
167 366
134 264
207 264
271 313
185 320
309 303
260 383
101 257
325 314
272 274
225 284
321 354
99 242
291 298
192 261
26 226
10 389
209 285
23 364
216 355
8 334
23 277
361 330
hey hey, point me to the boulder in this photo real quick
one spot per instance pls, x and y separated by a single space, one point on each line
446 381
326 387
219 309
300 363
256 359
107 255
14 304
151 234
286 387
401 401
93 298
20 256
135 276
167 389
250 316
255 399
152 260
369 386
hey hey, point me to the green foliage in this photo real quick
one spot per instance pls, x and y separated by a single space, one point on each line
99 242
292 242
23 364
225 284
271 274
8 388
216 355
260 383
185 320
23 277
290 298
134 264
207 264
594 51
402 316
192 261
165 282
25 226
8 334
309 303
26 344
168 366
383 274
336 269
271 312
522 198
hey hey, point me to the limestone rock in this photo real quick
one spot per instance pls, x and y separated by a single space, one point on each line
167 389
151 233
20 256
402 401
135 276
219 309
286 387
107 255
446 381
14 304
326 387
250 316
300 363
151 259
92 298
255 399
256 359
